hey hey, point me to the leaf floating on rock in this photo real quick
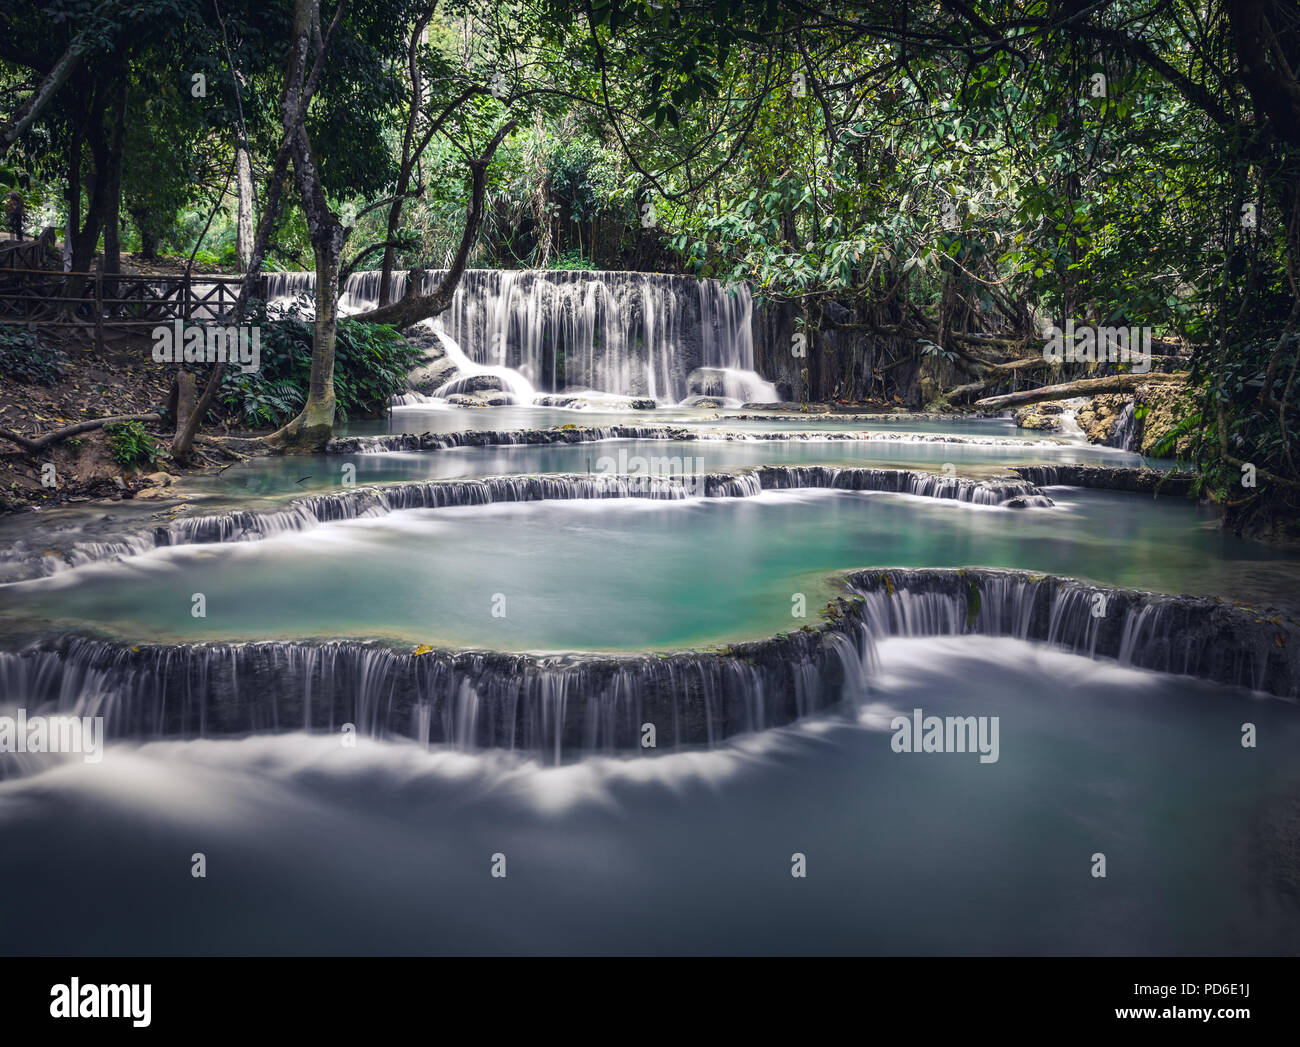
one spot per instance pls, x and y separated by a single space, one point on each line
423 648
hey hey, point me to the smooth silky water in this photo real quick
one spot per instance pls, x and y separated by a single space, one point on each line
386 848
622 574
301 473
314 847
446 418
266 483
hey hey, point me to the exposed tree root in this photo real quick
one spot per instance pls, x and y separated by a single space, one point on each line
34 444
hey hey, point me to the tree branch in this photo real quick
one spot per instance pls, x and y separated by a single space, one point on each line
36 443
414 308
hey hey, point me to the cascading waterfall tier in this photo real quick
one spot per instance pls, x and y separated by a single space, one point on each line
390 442
634 334
1109 478
594 434
562 706
1005 493
667 479
556 707
1188 635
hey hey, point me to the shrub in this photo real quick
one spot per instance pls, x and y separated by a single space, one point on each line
371 362
572 260
259 402
25 358
130 445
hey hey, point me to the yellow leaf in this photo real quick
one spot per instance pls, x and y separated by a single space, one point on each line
424 648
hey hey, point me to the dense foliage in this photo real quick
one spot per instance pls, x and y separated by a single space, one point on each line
130 445
371 364
25 358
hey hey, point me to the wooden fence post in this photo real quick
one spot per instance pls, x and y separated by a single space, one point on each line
99 306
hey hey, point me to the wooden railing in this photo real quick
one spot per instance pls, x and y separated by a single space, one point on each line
27 254
50 297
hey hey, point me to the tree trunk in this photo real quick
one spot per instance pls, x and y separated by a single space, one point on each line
414 308
390 253
183 441
181 401
244 181
964 392
74 202
148 239
410 153
299 86
1274 89
113 181
86 239
1118 383
315 424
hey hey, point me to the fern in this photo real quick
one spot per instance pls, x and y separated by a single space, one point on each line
130 445
1164 447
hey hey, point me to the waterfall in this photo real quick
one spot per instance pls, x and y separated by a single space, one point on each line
1124 432
500 438
553 706
1010 493
560 706
667 479
594 433
734 386
1188 635
510 381
633 334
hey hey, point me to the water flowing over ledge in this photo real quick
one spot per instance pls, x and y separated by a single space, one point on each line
562 706
302 514
594 434
555 706
634 334
1015 494
1109 478
1188 635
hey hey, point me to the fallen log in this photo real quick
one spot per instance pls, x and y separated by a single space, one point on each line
1031 363
1116 383
964 392
32 444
